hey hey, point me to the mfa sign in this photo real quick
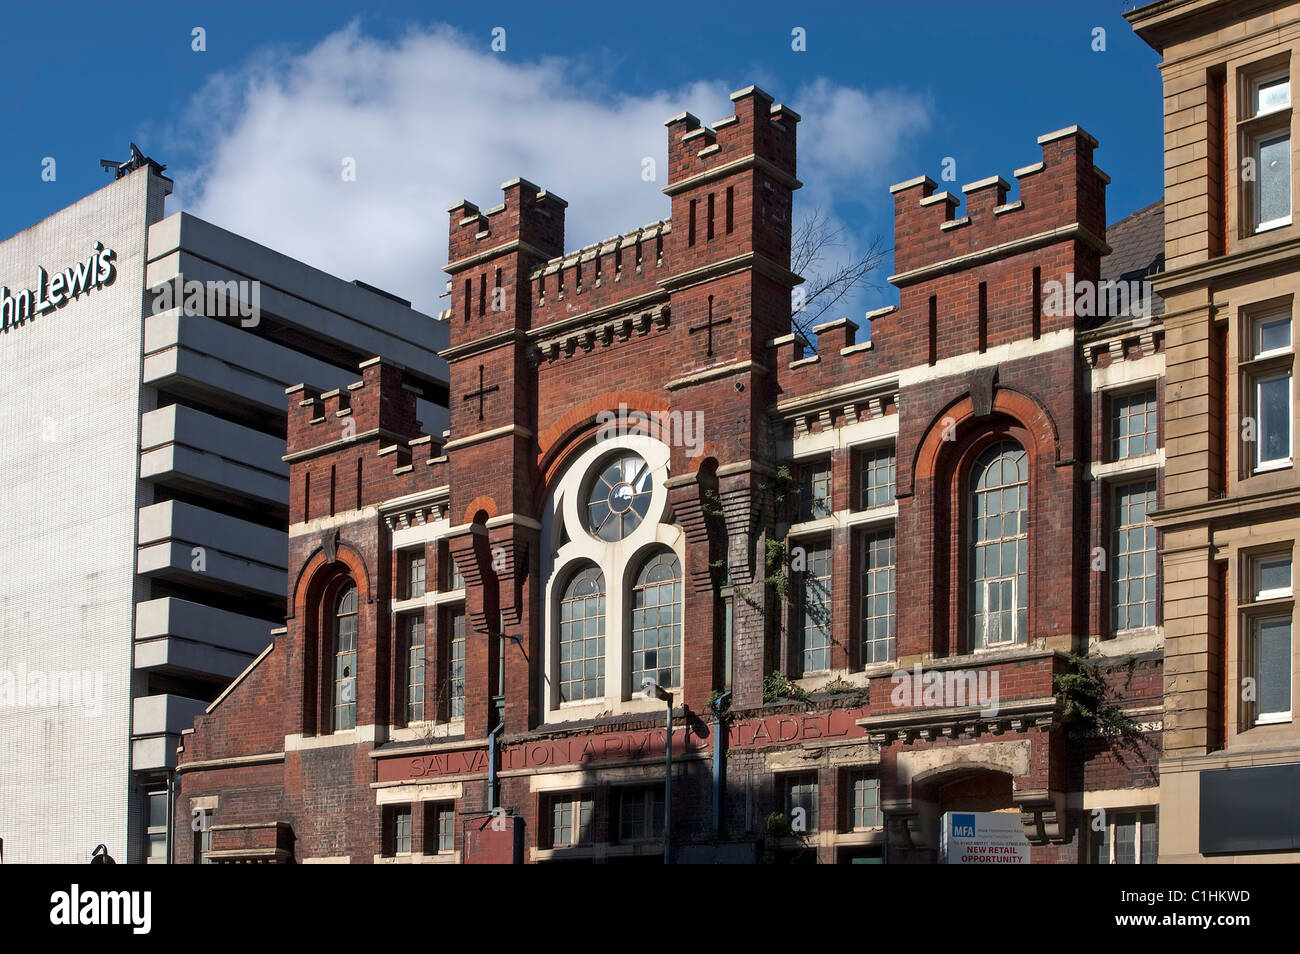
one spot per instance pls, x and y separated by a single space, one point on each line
54 291
982 838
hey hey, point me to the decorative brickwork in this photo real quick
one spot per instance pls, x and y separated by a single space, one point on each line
688 320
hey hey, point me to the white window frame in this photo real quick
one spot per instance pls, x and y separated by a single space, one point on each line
1257 83
1262 367
344 699
410 703
433 828
988 583
803 628
811 506
852 777
794 780
1258 128
575 801
1115 400
970 545
457 648
1278 717
638 676
1111 841
1257 337
1116 527
397 812
652 804
867 576
204 833
153 831
1276 593
409 560
865 487
1265 606
1257 144
1263 464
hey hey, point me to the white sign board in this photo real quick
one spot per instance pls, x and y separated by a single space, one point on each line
982 838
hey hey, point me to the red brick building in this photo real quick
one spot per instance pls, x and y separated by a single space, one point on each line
649 476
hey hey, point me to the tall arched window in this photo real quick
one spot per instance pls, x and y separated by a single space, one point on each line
999 551
582 637
657 622
345 659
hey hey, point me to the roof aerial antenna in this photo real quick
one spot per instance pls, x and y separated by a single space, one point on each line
137 160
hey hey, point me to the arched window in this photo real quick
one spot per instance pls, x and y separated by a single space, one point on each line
582 637
999 547
345 659
657 622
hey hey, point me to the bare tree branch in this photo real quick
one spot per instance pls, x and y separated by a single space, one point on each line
826 283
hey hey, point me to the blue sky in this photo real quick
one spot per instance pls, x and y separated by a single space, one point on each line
254 128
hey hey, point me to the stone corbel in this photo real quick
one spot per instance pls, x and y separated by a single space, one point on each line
509 554
329 541
740 512
473 555
981 384
1043 816
686 497
898 826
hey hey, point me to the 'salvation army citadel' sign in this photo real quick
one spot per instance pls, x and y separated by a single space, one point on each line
633 746
55 291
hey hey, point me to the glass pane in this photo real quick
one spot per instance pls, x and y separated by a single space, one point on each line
1274 94
157 809
1126 838
1099 846
1273 655
1273 400
1273 335
1274 179
1150 838
1274 576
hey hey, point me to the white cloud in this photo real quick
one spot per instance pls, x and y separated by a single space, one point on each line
431 119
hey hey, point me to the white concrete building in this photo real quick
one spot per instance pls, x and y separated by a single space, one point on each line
143 523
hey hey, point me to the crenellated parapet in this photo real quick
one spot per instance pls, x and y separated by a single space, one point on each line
845 352
625 268
528 215
346 444
732 184
974 282
758 133
1064 191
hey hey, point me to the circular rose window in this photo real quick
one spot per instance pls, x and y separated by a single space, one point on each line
619 497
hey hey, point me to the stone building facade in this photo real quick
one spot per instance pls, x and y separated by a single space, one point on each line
1231 763
862 574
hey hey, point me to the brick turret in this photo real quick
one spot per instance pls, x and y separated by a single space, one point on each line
1056 227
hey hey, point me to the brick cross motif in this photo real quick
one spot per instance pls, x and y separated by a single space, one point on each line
708 327
481 393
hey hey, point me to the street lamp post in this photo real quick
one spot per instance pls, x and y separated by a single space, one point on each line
652 688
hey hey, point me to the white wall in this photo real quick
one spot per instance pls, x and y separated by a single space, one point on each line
70 381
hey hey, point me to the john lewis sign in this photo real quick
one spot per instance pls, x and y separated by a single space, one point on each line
55 290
